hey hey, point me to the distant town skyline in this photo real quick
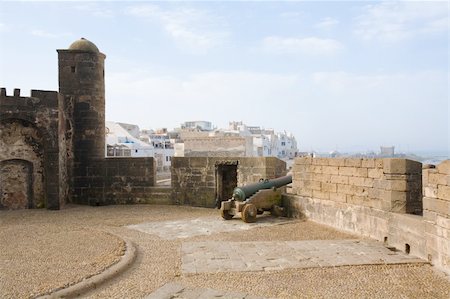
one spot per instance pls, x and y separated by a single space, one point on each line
346 76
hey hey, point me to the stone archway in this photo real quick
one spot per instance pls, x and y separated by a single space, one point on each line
21 165
16 184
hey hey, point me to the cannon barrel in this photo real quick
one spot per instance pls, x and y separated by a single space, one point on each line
244 192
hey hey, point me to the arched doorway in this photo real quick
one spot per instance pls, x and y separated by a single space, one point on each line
16 184
22 168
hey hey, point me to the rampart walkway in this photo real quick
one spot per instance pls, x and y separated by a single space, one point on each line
78 241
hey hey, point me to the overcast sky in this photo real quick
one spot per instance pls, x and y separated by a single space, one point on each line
341 76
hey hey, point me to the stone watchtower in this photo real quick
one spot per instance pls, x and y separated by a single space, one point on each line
82 82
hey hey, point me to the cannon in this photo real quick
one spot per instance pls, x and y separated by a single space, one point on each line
253 199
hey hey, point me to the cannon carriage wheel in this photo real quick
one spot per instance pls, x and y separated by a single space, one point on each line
225 214
249 213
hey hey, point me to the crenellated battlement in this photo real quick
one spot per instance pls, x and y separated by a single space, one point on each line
42 98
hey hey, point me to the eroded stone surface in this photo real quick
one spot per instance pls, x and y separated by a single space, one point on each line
212 257
170 230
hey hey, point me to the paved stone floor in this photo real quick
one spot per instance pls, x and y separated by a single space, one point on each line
216 256
180 229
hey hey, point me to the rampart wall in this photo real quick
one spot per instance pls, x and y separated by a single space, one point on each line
378 198
116 181
30 156
194 179
436 213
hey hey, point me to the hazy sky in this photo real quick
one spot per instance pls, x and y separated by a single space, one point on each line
339 75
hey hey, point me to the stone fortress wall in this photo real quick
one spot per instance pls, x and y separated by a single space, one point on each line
197 180
380 199
52 153
33 170
52 144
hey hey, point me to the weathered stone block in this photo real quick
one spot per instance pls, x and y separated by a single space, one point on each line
396 196
397 185
444 167
356 200
380 184
436 205
353 171
443 221
369 163
320 161
398 207
198 162
336 162
330 170
180 162
401 166
360 181
328 187
305 192
438 179
316 168
304 176
320 177
444 193
301 167
339 179
361 172
321 194
379 163
375 173
360 191
430 216
389 176
378 194
313 185
353 162
337 197
303 160
430 191
344 189
346 171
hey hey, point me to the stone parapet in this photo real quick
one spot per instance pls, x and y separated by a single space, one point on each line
436 212
376 205
196 180
393 185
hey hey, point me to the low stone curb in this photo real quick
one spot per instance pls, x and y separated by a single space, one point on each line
94 281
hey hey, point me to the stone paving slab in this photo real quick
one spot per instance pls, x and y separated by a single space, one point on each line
170 230
213 256
174 290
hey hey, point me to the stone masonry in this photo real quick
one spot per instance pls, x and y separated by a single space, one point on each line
378 198
436 212
52 144
393 185
195 179
32 156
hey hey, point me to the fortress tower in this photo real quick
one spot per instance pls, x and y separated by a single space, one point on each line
52 144
82 82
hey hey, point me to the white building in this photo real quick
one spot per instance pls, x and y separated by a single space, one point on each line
163 146
120 143
287 145
198 124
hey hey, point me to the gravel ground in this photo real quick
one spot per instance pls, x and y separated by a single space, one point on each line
68 235
36 259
